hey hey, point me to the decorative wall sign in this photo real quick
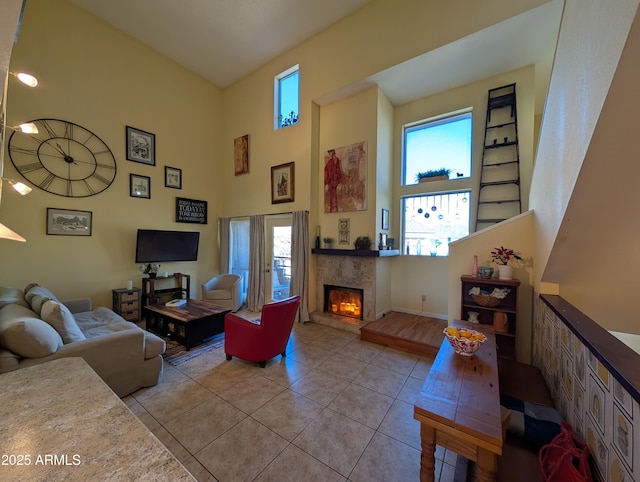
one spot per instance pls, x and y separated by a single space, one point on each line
141 146
241 154
67 222
345 178
172 177
139 186
343 231
191 211
282 183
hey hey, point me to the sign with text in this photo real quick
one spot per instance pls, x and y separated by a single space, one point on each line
191 211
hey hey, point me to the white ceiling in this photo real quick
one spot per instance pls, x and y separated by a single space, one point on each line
224 40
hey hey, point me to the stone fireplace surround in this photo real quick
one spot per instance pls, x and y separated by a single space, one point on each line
351 269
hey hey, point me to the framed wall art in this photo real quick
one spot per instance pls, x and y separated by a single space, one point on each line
139 186
282 183
68 222
141 146
343 231
191 211
241 154
172 177
345 178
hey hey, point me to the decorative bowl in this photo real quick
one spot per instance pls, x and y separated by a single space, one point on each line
464 341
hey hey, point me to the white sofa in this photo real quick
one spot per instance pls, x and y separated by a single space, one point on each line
224 290
35 327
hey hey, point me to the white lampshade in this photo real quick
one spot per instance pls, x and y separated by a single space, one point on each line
6 233
18 186
27 79
27 128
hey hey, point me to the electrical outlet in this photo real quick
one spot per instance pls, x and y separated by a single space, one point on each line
424 297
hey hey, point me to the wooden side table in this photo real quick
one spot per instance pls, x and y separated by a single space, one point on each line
126 303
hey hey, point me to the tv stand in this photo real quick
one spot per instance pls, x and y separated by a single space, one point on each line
159 290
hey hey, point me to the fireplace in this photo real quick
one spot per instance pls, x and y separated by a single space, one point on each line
343 301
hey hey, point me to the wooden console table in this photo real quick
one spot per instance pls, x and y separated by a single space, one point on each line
459 407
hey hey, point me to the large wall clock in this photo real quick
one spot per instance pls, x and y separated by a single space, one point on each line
63 158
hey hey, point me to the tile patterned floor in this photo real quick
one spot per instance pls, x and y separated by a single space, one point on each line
334 409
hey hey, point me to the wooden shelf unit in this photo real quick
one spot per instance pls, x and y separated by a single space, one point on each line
126 303
159 290
506 342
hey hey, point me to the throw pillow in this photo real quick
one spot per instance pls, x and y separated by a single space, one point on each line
535 423
10 296
37 296
25 335
59 316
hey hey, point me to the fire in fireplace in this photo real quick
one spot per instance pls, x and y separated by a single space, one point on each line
343 301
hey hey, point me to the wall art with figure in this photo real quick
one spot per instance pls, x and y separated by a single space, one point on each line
345 178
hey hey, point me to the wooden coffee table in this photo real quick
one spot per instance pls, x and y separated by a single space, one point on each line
189 324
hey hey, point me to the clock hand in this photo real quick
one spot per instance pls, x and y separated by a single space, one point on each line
60 150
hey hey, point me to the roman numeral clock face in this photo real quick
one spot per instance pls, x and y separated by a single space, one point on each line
63 158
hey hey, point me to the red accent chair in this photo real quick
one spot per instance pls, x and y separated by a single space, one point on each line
264 339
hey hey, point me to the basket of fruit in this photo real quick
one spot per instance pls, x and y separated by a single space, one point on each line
464 341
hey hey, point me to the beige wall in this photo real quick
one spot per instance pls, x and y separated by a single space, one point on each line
99 78
587 169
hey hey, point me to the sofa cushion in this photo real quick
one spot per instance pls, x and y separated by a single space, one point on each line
102 321
12 296
37 296
25 334
59 316
218 295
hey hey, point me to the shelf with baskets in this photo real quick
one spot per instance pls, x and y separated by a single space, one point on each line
502 314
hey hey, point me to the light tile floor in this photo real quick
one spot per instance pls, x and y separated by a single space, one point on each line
334 409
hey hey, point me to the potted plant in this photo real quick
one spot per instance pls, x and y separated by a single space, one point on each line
501 256
327 242
441 174
150 269
362 242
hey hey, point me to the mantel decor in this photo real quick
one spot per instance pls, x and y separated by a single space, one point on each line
141 146
191 211
282 183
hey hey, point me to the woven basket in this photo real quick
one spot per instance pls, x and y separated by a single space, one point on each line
486 300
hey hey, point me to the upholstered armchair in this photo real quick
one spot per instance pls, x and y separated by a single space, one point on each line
260 340
224 290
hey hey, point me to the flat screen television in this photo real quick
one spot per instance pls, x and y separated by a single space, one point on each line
154 246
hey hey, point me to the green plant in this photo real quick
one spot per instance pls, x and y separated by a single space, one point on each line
327 240
362 242
433 173
149 268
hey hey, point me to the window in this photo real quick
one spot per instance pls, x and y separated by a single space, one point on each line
286 99
444 143
239 252
432 221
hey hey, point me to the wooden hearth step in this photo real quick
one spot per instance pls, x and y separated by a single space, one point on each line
416 334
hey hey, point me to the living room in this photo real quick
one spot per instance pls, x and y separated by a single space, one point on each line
98 77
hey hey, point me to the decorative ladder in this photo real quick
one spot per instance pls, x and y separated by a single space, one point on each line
499 192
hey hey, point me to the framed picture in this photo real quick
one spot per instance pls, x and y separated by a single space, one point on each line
191 211
282 183
68 222
343 231
385 218
141 146
241 154
139 186
172 177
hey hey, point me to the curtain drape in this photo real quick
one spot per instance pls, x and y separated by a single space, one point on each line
300 261
223 230
255 290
